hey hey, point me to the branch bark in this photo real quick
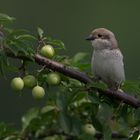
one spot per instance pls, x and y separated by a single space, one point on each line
121 96
98 135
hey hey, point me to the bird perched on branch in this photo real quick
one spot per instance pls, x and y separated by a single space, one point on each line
107 59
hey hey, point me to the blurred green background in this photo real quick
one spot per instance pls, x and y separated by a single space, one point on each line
71 21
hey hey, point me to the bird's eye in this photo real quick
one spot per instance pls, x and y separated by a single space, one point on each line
99 35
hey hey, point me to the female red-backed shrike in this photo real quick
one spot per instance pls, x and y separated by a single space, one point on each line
107 59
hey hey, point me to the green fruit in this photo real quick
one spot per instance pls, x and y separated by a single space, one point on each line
29 81
53 78
38 92
89 129
47 51
17 84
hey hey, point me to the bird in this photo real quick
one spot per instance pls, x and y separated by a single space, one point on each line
107 60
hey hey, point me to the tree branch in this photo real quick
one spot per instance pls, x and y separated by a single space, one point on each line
121 96
98 135
115 135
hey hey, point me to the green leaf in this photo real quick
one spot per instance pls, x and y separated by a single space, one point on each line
40 32
79 57
14 47
105 112
34 126
3 62
137 114
79 96
107 132
76 125
6 19
94 98
6 131
20 46
54 42
75 82
65 122
48 108
122 110
16 32
133 87
99 85
29 116
26 37
19 41
134 135
84 66
104 115
97 124
62 101
63 59
86 137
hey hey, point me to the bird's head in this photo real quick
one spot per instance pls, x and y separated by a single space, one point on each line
102 38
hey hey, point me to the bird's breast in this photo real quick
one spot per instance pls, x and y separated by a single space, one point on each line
108 64
105 56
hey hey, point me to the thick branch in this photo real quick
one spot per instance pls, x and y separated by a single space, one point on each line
85 79
98 135
121 96
62 69
115 135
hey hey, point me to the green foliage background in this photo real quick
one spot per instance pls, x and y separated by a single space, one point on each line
71 22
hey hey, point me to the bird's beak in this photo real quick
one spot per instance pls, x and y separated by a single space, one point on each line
90 37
